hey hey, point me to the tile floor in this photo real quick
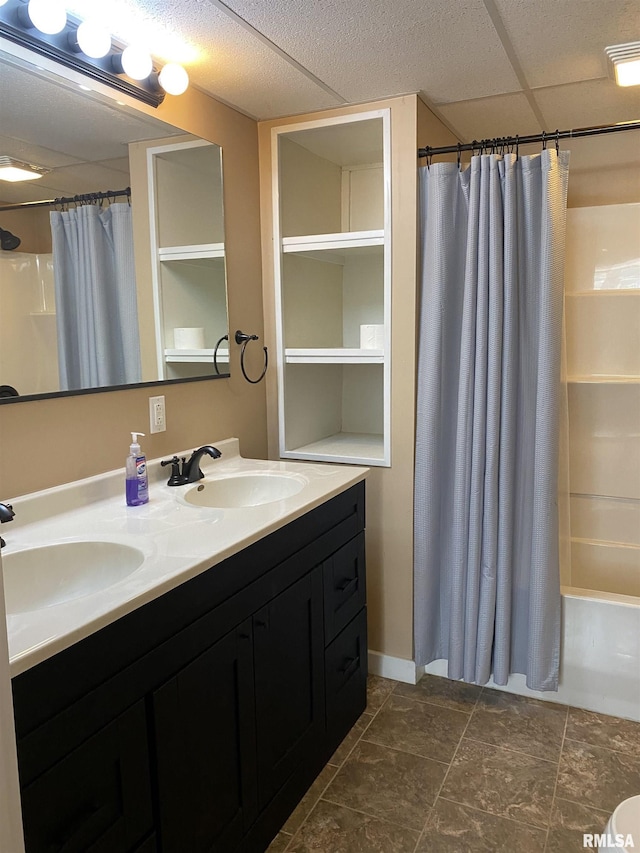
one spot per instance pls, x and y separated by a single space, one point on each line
446 767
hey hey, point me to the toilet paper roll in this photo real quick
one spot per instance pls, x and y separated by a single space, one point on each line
188 338
372 336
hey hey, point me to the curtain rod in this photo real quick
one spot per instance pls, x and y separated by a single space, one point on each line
76 199
544 137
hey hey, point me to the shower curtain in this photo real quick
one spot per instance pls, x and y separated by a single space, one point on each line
487 586
96 304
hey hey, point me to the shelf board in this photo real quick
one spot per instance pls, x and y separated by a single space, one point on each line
184 356
205 251
351 447
604 379
322 246
334 356
618 291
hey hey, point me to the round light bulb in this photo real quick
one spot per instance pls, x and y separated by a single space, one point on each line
93 40
48 16
173 79
136 63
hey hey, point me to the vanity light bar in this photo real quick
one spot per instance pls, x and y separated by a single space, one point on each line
64 47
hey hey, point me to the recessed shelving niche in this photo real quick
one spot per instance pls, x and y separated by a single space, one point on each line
332 273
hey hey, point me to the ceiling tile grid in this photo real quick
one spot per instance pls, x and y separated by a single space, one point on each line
506 115
590 103
373 48
563 41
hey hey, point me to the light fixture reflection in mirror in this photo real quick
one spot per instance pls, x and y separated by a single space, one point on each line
100 135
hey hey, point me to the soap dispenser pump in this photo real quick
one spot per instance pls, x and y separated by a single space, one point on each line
136 482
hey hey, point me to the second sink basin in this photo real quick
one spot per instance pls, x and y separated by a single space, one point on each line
55 574
244 490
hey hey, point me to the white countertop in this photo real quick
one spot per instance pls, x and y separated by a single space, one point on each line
178 540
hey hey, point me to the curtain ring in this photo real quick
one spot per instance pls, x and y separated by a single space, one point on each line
459 150
243 339
544 140
557 141
215 352
517 148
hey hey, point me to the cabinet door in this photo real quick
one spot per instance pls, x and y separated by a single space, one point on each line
97 799
205 749
289 681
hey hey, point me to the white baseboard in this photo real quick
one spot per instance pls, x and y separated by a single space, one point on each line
399 669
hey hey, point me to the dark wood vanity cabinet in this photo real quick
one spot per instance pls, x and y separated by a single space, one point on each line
196 723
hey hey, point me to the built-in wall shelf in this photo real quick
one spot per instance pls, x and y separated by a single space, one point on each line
597 379
195 356
348 447
332 274
622 291
191 253
188 251
334 356
338 242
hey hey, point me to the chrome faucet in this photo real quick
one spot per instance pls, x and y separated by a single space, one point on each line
191 472
6 514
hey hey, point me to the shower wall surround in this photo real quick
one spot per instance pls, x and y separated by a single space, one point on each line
27 297
603 365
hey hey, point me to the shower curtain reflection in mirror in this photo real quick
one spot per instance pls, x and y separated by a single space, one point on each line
96 304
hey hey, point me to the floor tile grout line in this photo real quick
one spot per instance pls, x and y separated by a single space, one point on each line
607 748
583 805
403 751
493 814
517 751
432 704
370 814
555 787
455 752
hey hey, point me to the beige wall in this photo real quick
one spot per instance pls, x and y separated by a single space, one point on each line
48 442
389 490
31 226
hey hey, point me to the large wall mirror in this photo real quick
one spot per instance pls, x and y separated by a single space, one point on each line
116 290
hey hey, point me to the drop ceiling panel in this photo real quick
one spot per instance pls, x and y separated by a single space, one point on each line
76 124
505 115
372 48
586 104
234 65
563 42
31 152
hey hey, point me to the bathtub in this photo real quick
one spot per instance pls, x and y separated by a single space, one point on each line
600 655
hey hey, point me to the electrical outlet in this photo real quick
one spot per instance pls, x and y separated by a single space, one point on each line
157 417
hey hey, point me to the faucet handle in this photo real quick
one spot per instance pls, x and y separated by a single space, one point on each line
6 513
176 478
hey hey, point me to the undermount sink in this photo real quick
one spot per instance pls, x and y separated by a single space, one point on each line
55 574
244 490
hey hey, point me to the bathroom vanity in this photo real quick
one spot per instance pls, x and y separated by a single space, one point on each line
197 719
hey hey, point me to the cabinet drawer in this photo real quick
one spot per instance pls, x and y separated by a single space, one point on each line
346 679
344 586
97 799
